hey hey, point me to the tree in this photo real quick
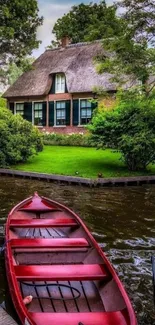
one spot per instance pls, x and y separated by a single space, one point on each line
14 71
133 50
128 128
19 139
88 23
19 21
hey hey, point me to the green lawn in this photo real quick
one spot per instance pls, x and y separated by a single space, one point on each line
78 161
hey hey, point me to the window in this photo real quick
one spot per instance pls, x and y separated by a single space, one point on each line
20 108
60 113
38 114
60 83
85 111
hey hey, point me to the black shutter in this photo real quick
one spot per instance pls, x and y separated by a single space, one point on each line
66 89
44 113
52 91
68 105
28 111
75 112
11 107
51 113
93 106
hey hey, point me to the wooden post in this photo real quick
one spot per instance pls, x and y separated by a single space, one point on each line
5 318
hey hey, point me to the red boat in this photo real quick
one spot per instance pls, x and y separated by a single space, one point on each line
51 256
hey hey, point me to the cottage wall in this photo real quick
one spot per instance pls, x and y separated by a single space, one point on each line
54 98
103 103
64 130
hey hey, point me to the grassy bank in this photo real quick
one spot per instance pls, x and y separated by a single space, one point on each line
77 161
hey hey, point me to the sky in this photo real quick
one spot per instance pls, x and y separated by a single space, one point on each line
51 10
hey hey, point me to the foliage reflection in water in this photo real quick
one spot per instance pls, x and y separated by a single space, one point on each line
121 220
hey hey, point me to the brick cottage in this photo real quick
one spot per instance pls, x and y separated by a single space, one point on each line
56 93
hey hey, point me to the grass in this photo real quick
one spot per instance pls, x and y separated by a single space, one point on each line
79 161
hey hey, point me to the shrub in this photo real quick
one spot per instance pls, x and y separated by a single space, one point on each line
19 139
80 140
3 102
128 128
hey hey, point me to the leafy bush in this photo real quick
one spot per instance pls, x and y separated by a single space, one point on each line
128 128
80 140
3 103
19 139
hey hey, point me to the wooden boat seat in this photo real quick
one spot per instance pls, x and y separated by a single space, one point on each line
39 209
76 272
43 223
97 318
49 243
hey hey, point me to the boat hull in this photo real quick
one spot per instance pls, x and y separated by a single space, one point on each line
51 256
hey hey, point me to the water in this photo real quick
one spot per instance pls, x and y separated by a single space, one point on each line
122 221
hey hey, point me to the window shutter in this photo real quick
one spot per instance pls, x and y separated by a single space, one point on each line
28 111
94 105
51 113
52 91
44 113
66 89
75 112
68 105
11 107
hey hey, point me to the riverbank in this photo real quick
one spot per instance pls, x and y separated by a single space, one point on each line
80 162
70 180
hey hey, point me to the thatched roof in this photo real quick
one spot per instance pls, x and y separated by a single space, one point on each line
75 60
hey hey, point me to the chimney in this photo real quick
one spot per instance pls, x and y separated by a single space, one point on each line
65 41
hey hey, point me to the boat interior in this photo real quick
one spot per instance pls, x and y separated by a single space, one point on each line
56 262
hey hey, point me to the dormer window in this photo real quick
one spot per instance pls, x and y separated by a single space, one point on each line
60 83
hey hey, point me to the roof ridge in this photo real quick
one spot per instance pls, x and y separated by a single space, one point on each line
74 45
84 43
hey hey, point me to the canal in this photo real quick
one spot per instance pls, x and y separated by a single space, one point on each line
121 219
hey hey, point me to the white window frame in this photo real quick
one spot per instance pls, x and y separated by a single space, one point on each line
33 104
80 99
15 104
61 89
55 125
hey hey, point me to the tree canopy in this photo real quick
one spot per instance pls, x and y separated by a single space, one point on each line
19 20
88 22
134 52
14 71
129 128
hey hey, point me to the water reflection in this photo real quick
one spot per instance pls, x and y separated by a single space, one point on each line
122 221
